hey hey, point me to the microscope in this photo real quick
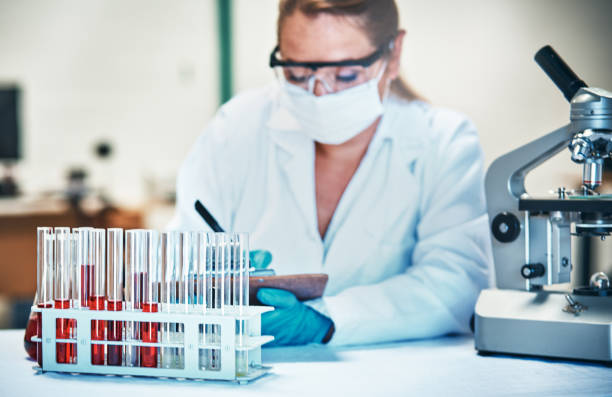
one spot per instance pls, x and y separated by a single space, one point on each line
526 314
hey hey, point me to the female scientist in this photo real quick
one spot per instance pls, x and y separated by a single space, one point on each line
338 168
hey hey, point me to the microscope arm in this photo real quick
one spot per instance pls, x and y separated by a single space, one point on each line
505 178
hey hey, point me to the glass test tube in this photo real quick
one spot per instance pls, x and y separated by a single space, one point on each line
204 249
151 280
44 279
114 293
190 269
134 266
74 272
171 295
186 287
226 272
219 294
65 352
206 362
240 272
199 259
97 293
84 267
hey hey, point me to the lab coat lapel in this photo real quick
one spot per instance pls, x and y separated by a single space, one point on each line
296 160
383 199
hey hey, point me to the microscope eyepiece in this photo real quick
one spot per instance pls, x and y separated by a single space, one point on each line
559 72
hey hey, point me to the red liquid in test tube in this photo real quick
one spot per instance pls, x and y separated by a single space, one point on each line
98 330
114 293
97 299
115 334
65 352
149 333
150 285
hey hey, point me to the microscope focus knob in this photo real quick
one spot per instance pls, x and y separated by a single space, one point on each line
506 227
599 280
533 270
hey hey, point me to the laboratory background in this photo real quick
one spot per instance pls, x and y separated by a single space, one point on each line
109 96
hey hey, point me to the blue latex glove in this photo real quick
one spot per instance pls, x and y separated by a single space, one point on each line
291 322
260 259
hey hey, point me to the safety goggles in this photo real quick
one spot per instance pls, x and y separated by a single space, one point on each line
335 76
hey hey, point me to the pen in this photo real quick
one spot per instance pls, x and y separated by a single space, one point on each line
212 222
207 216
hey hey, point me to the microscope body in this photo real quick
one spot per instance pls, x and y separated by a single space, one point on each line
531 239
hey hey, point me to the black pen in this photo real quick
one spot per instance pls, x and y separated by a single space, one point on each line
207 216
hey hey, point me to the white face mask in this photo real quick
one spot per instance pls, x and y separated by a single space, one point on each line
334 118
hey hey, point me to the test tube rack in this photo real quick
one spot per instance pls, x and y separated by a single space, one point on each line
227 345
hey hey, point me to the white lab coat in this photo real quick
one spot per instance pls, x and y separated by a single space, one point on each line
407 250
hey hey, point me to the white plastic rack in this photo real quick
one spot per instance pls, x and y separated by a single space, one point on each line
228 344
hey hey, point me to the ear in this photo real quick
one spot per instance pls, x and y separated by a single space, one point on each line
393 68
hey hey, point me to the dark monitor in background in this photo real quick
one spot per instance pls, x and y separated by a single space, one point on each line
10 148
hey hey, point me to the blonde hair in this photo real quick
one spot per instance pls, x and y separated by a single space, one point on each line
379 19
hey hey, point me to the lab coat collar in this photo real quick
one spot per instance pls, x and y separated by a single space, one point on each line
296 159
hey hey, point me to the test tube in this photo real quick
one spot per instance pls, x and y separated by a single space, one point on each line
114 293
240 272
84 266
65 353
186 287
151 280
226 274
219 294
190 269
171 262
74 272
206 361
97 293
134 266
44 279
204 254
199 259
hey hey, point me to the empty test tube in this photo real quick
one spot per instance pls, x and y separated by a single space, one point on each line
97 293
204 243
44 279
171 297
240 291
150 299
191 257
219 294
114 293
134 266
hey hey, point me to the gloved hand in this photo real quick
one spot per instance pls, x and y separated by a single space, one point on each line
292 322
260 259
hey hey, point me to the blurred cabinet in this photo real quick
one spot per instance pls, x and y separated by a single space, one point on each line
18 223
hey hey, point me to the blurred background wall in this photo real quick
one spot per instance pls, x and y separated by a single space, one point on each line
143 76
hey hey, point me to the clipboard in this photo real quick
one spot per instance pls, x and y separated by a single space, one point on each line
304 286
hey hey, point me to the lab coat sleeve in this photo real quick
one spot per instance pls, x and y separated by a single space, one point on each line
450 260
209 174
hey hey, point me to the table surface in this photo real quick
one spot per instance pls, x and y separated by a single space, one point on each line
443 366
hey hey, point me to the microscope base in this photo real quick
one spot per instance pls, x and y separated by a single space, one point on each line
534 323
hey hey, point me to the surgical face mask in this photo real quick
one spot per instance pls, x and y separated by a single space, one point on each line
334 118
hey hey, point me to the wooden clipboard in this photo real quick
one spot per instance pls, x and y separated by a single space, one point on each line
304 286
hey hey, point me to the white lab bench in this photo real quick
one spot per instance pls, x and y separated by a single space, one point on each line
438 367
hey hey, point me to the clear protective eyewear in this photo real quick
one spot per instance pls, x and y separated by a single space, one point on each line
334 76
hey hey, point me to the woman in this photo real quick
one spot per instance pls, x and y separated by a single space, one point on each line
340 169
